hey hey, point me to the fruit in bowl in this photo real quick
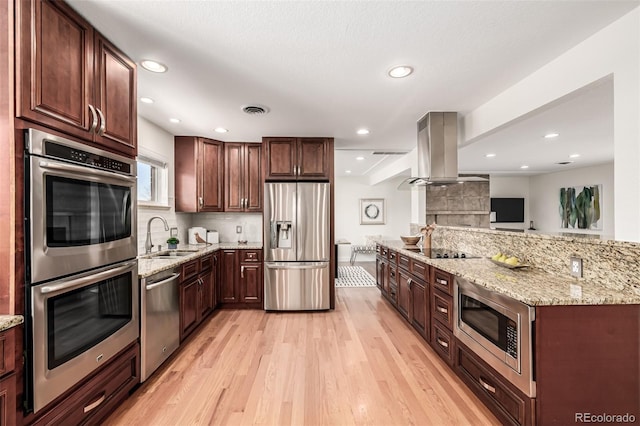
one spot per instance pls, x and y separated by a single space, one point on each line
507 261
410 241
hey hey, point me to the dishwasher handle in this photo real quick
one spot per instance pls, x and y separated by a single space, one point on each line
163 282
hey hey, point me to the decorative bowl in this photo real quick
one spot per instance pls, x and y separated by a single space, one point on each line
410 241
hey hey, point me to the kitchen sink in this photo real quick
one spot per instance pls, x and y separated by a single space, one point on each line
172 254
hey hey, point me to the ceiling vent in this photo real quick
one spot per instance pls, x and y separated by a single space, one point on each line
255 109
564 163
388 152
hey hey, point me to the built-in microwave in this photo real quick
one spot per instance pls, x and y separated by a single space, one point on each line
499 329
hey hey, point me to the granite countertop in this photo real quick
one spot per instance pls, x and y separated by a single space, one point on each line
532 286
8 321
148 265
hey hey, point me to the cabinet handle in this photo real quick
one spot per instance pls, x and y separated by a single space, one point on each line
486 385
94 404
443 310
200 201
94 122
409 283
103 123
442 282
442 342
242 272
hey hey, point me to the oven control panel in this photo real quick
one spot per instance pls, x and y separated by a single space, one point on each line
53 149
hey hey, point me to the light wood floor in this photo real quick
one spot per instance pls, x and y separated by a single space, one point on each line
360 364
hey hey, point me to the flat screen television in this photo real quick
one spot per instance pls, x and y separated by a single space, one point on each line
508 210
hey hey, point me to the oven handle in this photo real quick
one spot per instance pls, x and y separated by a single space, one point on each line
83 170
79 282
163 282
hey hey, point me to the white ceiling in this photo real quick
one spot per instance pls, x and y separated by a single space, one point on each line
321 66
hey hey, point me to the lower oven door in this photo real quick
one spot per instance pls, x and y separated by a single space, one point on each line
77 324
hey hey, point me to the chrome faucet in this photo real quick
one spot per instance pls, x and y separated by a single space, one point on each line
147 244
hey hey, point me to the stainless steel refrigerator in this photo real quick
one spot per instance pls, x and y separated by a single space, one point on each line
296 246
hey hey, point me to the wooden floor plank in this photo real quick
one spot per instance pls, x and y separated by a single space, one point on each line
358 365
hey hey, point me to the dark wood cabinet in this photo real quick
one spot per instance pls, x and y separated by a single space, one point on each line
242 279
289 158
197 292
508 404
418 307
404 292
441 303
70 78
199 174
243 177
7 378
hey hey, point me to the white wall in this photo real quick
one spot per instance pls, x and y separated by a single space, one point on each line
544 192
157 143
348 191
511 187
612 52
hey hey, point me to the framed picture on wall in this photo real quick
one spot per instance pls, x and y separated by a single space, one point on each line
372 211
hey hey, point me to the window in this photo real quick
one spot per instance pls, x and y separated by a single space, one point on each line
153 182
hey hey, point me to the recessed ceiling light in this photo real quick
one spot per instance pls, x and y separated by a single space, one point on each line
347 171
359 158
524 166
147 100
153 66
551 135
574 156
489 155
400 71
174 120
220 130
363 131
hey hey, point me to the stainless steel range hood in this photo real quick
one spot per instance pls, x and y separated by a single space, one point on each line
438 152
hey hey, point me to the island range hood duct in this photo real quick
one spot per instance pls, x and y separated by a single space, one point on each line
438 152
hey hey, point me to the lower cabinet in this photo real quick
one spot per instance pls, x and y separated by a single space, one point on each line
241 279
100 394
197 290
7 377
404 292
418 308
505 401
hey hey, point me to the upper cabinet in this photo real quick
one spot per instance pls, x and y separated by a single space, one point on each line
298 158
243 177
70 78
199 174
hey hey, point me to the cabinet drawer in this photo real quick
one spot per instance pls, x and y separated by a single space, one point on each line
442 341
7 351
393 257
490 387
404 261
250 255
378 249
384 251
419 269
442 281
442 308
206 262
393 293
190 269
99 395
393 272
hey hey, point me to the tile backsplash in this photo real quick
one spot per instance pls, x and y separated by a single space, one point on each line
225 224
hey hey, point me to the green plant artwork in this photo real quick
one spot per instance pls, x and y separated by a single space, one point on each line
581 207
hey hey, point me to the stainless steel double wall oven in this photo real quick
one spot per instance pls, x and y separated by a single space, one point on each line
81 269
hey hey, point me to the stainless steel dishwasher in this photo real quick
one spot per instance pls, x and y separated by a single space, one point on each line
159 319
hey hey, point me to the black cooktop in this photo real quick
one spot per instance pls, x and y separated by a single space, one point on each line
438 253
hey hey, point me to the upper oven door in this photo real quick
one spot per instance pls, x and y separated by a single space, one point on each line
79 218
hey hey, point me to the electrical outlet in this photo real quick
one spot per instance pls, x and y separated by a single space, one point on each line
238 229
576 267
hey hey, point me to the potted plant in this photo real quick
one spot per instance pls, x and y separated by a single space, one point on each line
173 242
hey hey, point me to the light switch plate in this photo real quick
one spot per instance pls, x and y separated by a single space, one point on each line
576 267
238 229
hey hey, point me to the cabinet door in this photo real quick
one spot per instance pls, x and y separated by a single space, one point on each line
404 295
419 308
234 177
215 280
227 283
280 158
205 296
379 273
54 69
313 159
189 294
8 400
210 169
115 98
253 187
251 282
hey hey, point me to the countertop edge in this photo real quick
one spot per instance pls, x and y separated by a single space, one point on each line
10 321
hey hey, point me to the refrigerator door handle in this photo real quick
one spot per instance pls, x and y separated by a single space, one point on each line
314 265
